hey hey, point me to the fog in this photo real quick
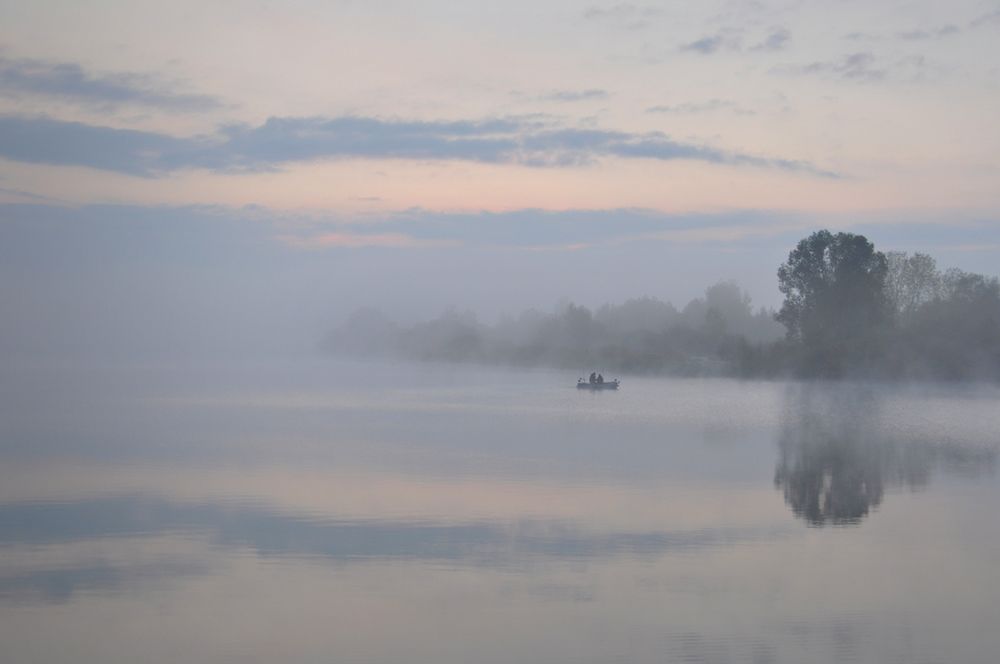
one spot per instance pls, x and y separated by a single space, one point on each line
141 285
850 311
115 283
642 335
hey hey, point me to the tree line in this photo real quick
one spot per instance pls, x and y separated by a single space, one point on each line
848 311
641 335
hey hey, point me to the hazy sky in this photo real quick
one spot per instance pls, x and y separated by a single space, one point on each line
488 155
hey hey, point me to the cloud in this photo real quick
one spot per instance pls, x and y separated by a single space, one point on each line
69 81
623 12
776 40
705 45
618 11
921 35
279 141
291 139
916 34
729 39
991 18
855 66
54 142
575 95
708 106
915 67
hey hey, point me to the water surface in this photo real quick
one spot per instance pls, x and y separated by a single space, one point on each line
317 512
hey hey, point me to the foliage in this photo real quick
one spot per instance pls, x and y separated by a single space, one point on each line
835 301
957 334
911 281
849 310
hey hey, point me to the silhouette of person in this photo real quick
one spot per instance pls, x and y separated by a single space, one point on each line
593 377
600 379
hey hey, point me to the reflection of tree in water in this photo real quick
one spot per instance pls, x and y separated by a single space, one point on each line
836 456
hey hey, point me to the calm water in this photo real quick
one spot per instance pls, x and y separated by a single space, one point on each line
347 513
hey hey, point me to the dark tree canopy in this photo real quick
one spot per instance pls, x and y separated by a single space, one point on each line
835 305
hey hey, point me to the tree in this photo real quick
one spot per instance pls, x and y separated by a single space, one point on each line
835 306
957 335
733 303
912 281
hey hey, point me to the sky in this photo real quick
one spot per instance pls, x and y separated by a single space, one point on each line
173 172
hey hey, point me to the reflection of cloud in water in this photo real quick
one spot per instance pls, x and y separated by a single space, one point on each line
272 533
836 455
59 584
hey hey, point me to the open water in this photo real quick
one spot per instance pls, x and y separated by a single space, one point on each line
336 512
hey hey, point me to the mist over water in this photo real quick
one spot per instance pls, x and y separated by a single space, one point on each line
423 512
709 335
474 333
213 460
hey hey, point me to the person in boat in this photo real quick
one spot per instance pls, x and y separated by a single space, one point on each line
593 377
600 379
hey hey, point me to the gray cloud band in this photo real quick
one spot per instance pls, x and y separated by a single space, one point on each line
243 148
69 81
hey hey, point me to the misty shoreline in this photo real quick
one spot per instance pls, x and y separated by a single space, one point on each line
850 312
643 336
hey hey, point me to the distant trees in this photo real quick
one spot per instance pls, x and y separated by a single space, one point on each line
733 306
711 335
848 311
956 334
835 309
911 281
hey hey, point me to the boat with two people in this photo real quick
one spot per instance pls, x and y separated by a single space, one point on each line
597 382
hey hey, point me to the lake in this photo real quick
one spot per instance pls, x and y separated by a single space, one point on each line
329 511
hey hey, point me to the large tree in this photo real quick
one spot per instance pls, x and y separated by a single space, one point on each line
835 305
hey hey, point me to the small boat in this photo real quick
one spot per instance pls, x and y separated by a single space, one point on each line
581 384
